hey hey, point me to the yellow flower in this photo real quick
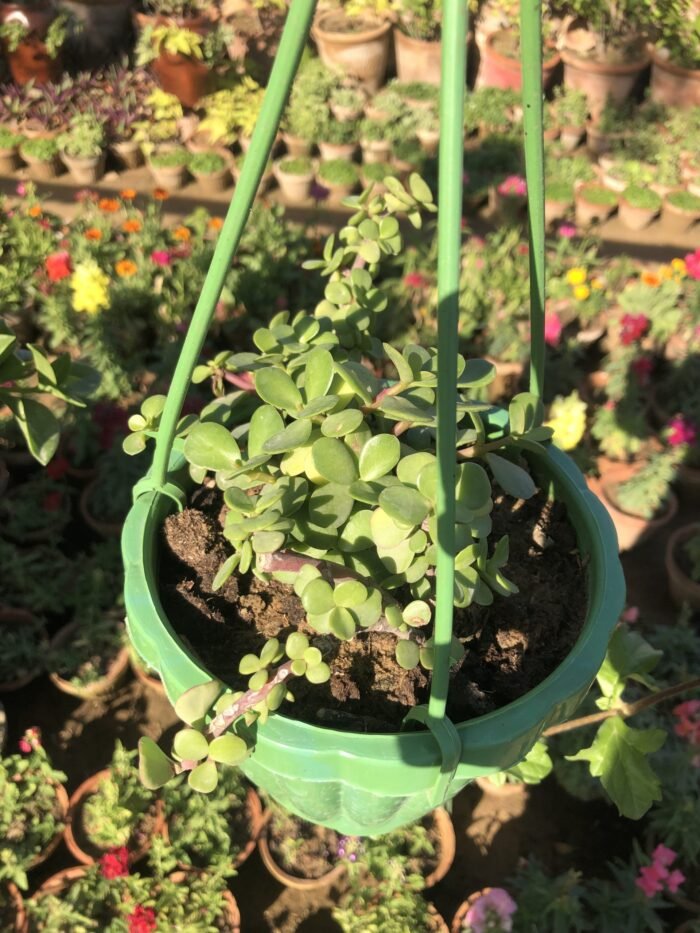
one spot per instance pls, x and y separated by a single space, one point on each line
90 286
597 284
678 266
665 272
576 276
581 292
567 418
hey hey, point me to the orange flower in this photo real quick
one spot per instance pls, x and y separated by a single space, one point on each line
125 268
160 194
215 223
109 205
182 233
92 233
128 194
34 211
651 279
131 226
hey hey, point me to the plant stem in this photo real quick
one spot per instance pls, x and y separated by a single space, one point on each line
625 710
220 723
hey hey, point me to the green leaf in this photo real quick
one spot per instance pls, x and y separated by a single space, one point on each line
249 664
401 364
319 673
317 406
265 422
318 373
407 654
417 613
476 373
330 506
342 423
473 486
357 534
534 767
296 645
404 504
190 744
267 542
419 189
155 768
40 428
43 368
225 571
289 438
277 388
400 409
228 750
204 777
386 532
338 293
194 704
410 468
379 456
211 446
317 597
629 655
334 460
307 573
350 593
134 444
524 412
271 652
512 478
618 756
342 623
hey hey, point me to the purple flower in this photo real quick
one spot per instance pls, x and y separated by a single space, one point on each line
493 910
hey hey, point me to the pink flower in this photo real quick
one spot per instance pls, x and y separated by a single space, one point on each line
25 747
631 614
681 431
692 264
642 368
662 855
522 249
414 280
494 907
687 708
161 257
115 863
568 231
513 186
675 880
58 266
634 326
142 920
21 189
649 880
30 741
552 328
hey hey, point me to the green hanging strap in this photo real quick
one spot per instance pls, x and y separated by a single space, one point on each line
531 58
294 37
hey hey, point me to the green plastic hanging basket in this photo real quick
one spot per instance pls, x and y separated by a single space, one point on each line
363 784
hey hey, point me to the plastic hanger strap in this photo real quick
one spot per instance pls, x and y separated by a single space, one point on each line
447 737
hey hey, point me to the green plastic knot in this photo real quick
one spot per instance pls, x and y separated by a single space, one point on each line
171 490
448 739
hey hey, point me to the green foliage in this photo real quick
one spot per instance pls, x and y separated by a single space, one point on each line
569 107
645 198
22 650
29 817
598 195
533 769
44 150
109 498
120 804
684 201
691 549
546 904
560 191
85 137
298 166
207 163
9 140
170 158
87 655
38 578
339 172
646 491
40 506
421 19
337 132
621 428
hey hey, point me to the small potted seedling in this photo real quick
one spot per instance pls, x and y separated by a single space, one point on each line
428 130
339 177
346 104
570 110
375 145
295 176
638 206
594 203
211 169
9 150
558 200
168 166
41 155
337 140
82 148
680 211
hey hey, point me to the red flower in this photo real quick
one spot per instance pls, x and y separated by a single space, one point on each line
634 326
30 741
681 431
414 280
58 468
115 863
24 746
52 501
642 368
58 266
142 920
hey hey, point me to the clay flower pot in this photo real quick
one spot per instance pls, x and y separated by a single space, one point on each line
457 925
41 169
85 171
296 146
77 840
429 140
20 618
330 151
678 219
102 687
104 529
600 80
570 137
128 153
295 188
683 588
187 78
292 881
634 217
19 924
375 150
590 210
631 529
447 846
417 59
9 160
502 71
362 53
673 85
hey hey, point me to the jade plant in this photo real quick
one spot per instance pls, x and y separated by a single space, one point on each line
646 492
30 812
330 488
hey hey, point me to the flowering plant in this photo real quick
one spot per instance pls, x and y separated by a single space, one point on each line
491 912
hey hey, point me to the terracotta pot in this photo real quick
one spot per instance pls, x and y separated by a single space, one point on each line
570 137
588 213
361 54
600 80
20 618
683 589
39 169
149 681
291 881
9 160
187 78
15 896
128 153
297 147
507 379
457 925
336 193
256 822
30 61
429 141
295 189
635 218
417 59
213 182
62 808
330 151
232 915
104 529
678 221
74 829
105 685
498 70
85 171
631 530
448 846
598 142
672 85
375 150
555 211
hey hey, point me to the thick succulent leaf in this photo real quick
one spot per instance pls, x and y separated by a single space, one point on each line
379 456
386 532
407 654
342 623
350 593
334 460
342 423
212 446
405 505
194 704
277 388
228 749
296 645
317 597
190 745
204 777
512 478
473 486
318 373
155 768
294 435
357 534
330 506
410 467
319 673
265 422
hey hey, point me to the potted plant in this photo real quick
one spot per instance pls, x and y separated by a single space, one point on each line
570 111
373 176
683 565
594 203
355 41
300 129
604 50
417 41
638 206
267 175
112 809
34 805
211 169
299 854
407 156
489 909
168 166
32 36
558 200
88 659
337 464
339 177
37 510
347 104
36 578
41 155
110 894
82 148
375 146
221 828
9 150
336 139
23 643
675 72
639 498
12 913
681 210
509 198
500 64
295 176
104 501
427 130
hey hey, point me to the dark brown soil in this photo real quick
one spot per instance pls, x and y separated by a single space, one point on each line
510 647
